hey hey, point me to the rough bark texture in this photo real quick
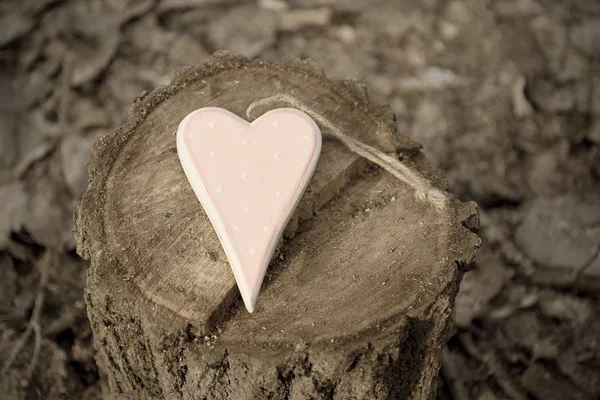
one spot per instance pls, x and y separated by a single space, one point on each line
356 304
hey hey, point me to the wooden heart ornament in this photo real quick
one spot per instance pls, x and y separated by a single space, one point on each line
249 178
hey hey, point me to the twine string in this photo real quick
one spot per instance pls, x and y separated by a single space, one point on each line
424 190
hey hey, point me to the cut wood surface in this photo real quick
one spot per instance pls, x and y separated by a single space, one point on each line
356 303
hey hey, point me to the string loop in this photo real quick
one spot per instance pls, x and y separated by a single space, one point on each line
424 190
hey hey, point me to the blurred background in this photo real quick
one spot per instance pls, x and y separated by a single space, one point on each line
504 96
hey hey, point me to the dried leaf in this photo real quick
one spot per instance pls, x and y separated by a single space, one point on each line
245 30
522 330
125 81
49 216
517 9
521 106
545 383
554 231
14 201
64 302
579 361
566 307
550 97
551 38
87 115
186 51
479 287
146 36
8 140
593 133
129 11
33 7
174 5
586 37
588 6
22 91
13 26
75 151
32 140
54 54
8 284
390 19
89 66
154 42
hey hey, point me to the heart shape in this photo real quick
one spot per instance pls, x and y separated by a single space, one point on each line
249 178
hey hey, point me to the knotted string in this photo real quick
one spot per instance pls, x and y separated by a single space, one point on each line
424 190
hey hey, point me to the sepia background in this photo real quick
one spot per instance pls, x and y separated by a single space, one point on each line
504 95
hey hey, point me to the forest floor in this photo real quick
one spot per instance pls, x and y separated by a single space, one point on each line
504 96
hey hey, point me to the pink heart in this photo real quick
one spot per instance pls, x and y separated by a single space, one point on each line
249 178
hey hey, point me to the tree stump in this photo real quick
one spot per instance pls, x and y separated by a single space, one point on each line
357 302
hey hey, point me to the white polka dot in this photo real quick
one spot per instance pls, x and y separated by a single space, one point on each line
244 142
212 124
211 154
267 228
245 208
219 189
275 124
307 137
236 228
243 176
278 194
252 250
276 155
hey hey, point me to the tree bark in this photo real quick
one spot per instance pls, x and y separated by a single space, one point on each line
357 302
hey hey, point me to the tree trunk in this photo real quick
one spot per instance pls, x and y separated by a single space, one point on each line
355 305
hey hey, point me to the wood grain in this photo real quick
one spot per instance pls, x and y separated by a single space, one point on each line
149 203
365 269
